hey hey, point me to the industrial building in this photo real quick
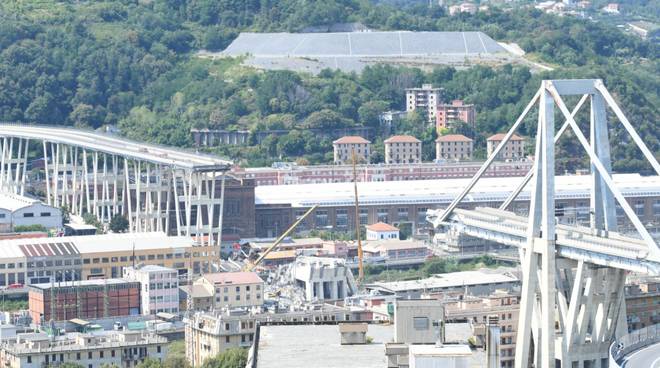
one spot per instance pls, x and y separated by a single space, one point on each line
17 210
480 282
87 299
38 260
159 288
123 349
407 202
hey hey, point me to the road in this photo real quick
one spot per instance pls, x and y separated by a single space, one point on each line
649 357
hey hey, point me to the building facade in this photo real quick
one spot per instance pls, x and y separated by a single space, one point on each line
502 304
344 148
513 150
454 111
453 147
159 288
17 211
426 98
123 349
403 149
233 289
90 299
642 302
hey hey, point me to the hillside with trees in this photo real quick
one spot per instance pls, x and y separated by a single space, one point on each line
132 64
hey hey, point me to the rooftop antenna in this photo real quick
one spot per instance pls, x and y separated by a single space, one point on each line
357 220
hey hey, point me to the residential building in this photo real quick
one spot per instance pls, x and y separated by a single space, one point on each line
463 8
345 147
453 147
642 302
389 118
159 290
403 149
612 8
122 349
505 305
290 174
426 98
382 231
455 111
17 210
39 260
324 278
513 150
395 250
232 289
480 282
87 299
210 334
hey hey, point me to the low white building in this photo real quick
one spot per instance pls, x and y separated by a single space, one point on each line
323 278
159 290
16 210
382 231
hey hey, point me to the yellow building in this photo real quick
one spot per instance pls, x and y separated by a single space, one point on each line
227 290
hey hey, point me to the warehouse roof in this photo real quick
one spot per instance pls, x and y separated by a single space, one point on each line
438 191
14 202
70 245
450 280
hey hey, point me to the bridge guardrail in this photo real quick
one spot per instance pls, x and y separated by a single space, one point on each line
633 341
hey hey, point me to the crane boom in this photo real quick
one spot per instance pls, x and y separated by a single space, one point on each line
277 242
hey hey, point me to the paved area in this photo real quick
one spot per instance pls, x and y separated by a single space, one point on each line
649 357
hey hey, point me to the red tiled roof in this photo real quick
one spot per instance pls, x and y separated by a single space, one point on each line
453 138
351 139
233 278
381 226
500 136
401 139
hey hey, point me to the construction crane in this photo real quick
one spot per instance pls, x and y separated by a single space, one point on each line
250 266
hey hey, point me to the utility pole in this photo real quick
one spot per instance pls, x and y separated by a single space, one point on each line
357 219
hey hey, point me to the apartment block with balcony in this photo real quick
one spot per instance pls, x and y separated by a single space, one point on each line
513 150
457 110
425 98
453 147
122 349
403 149
344 148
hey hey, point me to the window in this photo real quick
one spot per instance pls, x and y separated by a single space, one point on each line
89 355
158 348
639 208
364 216
227 339
45 214
383 215
341 217
321 218
29 359
101 354
420 323
112 353
28 214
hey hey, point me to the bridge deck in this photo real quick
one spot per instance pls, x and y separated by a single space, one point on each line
116 146
575 242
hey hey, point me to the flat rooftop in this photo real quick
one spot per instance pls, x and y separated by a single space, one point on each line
451 280
440 191
82 283
14 202
305 346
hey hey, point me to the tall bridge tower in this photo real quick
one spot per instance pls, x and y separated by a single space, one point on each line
572 303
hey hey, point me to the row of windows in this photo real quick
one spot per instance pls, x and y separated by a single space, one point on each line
31 214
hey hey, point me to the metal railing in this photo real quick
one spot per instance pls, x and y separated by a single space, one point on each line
632 342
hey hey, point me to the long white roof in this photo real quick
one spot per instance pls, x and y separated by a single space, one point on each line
452 280
14 202
44 247
441 191
117 146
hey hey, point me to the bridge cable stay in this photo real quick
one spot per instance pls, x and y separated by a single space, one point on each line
572 303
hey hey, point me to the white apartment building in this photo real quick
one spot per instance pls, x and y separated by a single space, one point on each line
90 350
426 98
403 149
159 290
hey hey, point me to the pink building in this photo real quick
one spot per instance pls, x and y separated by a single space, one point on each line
455 111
